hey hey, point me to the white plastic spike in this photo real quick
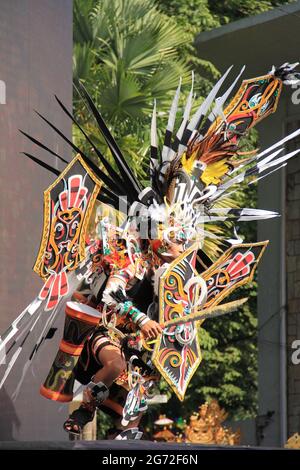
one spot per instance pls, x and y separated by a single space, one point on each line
226 185
174 107
269 158
252 182
253 161
185 119
280 142
241 218
172 117
268 150
279 160
220 101
187 111
153 163
246 211
246 218
204 107
266 174
261 168
153 127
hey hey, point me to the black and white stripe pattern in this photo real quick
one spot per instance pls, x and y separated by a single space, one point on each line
218 108
258 168
167 149
238 215
33 324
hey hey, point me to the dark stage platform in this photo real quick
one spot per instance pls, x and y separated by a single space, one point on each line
116 445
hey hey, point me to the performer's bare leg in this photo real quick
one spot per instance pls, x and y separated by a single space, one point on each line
113 365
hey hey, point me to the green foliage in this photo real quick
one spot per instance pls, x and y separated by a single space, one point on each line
231 10
126 53
104 423
196 16
203 15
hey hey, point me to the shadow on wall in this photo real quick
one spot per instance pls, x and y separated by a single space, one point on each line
9 418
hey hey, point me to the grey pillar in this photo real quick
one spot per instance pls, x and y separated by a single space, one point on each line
271 296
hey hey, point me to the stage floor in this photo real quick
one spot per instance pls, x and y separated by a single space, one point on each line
115 445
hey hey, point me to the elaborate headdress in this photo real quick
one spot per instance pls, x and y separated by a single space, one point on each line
199 165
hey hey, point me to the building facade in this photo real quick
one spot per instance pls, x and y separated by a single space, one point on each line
35 63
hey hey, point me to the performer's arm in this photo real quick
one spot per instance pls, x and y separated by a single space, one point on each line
115 297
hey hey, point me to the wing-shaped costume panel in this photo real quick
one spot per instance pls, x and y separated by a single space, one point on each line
177 353
235 268
68 204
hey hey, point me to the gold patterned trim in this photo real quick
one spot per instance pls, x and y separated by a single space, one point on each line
180 395
46 226
236 99
206 275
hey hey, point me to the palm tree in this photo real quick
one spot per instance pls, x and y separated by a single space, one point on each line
126 54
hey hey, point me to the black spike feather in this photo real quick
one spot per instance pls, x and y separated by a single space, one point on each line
105 163
41 163
108 181
37 142
116 152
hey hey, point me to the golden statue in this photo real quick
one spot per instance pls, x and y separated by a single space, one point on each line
293 442
206 427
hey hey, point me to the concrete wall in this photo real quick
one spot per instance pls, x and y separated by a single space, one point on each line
271 296
35 63
293 272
